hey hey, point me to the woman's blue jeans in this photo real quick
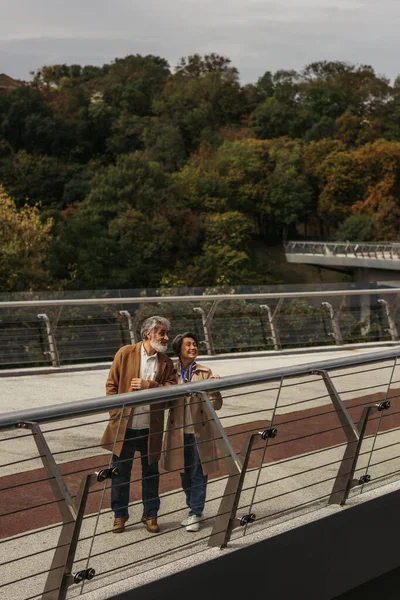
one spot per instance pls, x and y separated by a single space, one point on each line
194 482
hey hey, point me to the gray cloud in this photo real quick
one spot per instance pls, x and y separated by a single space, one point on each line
258 35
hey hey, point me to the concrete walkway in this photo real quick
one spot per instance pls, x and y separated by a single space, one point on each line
66 437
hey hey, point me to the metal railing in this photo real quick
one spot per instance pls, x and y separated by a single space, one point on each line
290 441
70 331
381 250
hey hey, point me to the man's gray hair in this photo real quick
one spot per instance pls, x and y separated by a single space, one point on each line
151 324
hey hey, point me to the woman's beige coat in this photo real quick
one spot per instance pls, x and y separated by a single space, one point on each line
173 452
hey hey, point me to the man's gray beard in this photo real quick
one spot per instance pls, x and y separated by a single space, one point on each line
158 347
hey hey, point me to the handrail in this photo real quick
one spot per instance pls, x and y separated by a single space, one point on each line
338 248
67 339
339 243
153 396
203 298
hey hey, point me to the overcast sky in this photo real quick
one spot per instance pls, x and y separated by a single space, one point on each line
258 35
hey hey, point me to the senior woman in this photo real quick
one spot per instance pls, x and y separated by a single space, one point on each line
189 442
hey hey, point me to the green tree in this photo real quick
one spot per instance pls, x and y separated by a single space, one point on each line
28 123
203 96
132 83
34 178
131 182
196 66
290 200
356 228
163 143
272 119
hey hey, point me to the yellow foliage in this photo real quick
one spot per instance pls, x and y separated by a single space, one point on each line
378 165
24 245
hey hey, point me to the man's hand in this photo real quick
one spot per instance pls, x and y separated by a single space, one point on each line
214 377
139 384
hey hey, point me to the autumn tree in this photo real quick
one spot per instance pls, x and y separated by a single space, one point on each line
379 166
24 247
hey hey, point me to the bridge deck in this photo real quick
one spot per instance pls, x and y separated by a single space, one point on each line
345 255
296 476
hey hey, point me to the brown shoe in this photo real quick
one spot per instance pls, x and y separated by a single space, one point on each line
119 524
151 525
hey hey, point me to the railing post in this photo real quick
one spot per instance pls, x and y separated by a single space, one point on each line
272 318
344 481
207 320
132 323
391 321
55 361
127 314
72 511
334 317
234 466
365 310
226 520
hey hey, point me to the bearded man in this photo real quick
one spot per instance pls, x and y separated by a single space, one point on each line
138 367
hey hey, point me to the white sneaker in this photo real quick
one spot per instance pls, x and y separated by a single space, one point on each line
186 521
193 523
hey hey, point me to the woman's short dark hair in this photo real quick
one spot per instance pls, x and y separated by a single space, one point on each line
177 342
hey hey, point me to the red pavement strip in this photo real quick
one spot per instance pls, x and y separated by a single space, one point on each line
21 510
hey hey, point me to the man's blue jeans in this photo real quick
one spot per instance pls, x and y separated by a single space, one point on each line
194 482
136 440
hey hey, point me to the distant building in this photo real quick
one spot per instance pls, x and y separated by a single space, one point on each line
96 97
8 84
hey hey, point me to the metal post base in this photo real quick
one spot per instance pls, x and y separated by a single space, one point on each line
226 520
345 481
60 575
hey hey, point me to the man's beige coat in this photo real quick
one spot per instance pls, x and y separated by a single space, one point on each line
173 452
125 367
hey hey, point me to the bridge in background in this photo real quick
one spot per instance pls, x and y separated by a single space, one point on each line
366 261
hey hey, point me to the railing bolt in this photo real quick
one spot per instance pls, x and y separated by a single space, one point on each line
246 519
385 405
21 426
364 479
110 473
87 574
268 433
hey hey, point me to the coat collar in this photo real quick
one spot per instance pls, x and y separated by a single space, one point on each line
195 367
